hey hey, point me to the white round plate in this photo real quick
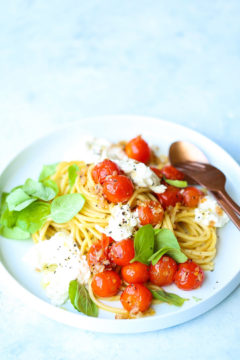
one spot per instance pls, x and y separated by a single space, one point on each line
52 148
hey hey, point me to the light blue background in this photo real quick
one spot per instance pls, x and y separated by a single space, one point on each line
64 60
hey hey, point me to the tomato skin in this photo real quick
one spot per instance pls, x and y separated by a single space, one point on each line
138 149
170 197
118 188
122 252
191 196
150 212
135 273
106 283
189 276
98 254
135 298
104 169
157 171
170 172
163 272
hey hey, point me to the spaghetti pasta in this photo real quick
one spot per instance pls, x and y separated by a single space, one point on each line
198 242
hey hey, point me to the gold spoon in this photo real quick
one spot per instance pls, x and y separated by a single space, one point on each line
189 159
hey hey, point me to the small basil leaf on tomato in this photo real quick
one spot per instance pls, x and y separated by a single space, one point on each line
176 183
72 174
165 242
65 207
80 299
143 244
167 297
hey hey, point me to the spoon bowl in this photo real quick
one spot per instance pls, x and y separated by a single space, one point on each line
182 151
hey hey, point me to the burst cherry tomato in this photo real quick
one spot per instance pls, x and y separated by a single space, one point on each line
170 172
106 283
122 252
104 169
150 212
191 196
98 253
170 197
163 272
157 172
135 273
118 188
138 149
189 276
135 298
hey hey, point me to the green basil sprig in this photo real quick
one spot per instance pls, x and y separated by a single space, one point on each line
167 297
143 244
72 174
81 300
177 183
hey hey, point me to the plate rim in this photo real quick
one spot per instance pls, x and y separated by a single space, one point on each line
89 323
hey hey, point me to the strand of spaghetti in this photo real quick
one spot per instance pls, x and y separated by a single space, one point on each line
104 306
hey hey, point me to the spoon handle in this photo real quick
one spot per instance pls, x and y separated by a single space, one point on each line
228 210
229 201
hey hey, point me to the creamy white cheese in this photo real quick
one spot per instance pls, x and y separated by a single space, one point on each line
210 213
59 261
141 175
122 223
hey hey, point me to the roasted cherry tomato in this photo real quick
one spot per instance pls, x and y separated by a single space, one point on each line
106 283
122 252
135 298
170 197
189 276
157 172
135 273
138 149
104 169
118 188
150 212
98 254
191 196
163 272
170 172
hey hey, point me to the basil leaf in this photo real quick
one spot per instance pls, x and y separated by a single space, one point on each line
166 243
81 300
7 218
14 233
47 171
177 183
65 207
72 174
38 190
143 244
167 297
175 254
51 184
32 218
18 200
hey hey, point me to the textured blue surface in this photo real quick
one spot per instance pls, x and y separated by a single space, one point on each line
64 60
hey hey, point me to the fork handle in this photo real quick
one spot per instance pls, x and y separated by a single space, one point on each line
228 209
229 201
